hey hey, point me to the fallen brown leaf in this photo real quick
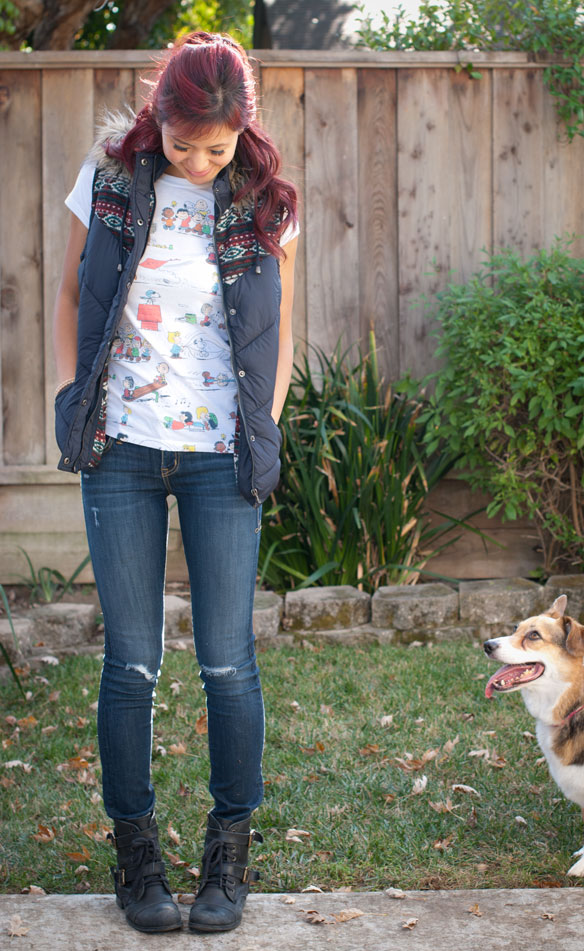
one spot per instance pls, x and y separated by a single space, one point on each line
317 748
314 917
16 927
460 787
475 910
173 834
45 833
79 856
347 914
547 916
395 893
33 890
410 924
201 726
185 899
177 749
442 806
296 835
175 860
443 844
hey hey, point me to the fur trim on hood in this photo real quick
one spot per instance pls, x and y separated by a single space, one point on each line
115 125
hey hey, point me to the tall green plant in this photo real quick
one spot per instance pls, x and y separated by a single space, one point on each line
554 28
351 505
509 397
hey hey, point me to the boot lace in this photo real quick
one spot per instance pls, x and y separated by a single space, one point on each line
214 856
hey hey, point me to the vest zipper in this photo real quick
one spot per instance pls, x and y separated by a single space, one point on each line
254 491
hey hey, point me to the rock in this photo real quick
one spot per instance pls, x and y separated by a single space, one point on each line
24 630
414 608
501 601
353 637
267 613
327 608
63 625
570 585
178 621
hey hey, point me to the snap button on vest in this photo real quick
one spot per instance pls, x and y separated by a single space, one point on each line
252 438
140 222
242 372
144 161
232 310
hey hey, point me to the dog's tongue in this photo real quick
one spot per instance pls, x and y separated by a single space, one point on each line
511 675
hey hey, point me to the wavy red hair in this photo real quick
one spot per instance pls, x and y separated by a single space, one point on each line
206 82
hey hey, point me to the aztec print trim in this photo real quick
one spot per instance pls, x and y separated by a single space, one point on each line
100 438
237 245
110 204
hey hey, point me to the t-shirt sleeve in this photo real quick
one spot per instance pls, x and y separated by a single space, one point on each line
79 198
291 232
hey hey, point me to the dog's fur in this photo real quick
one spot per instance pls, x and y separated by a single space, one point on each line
544 658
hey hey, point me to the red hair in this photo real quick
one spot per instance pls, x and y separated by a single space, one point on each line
207 82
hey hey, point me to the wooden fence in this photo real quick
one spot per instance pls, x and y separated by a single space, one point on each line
408 169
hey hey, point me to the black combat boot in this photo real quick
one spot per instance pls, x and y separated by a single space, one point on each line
225 877
142 889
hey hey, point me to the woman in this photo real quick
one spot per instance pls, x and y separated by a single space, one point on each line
196 146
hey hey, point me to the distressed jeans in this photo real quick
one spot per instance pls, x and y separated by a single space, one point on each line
126 515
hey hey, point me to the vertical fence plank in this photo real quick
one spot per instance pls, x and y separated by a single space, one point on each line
378 259
518 204
113 89
563 180
282 115
63 152
332 212
21 329
444 185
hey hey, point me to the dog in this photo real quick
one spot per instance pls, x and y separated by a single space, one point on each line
544 658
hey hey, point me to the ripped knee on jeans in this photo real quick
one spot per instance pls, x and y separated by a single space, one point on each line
142 669
218 673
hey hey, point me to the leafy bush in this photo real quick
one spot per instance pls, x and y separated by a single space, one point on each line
551 27
350 508
509 398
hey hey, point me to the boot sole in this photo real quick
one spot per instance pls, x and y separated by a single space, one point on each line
154 930
212 929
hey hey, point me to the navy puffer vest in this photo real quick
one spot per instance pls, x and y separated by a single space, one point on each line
121 214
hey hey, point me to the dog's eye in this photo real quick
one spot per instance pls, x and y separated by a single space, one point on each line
533 636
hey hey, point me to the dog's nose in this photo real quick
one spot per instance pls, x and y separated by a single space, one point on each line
489 647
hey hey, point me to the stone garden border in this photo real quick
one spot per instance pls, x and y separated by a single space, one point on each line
434 612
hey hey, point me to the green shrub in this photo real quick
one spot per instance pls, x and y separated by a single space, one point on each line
351 506
509 398
553 28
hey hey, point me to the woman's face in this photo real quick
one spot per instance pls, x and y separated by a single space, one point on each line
198 158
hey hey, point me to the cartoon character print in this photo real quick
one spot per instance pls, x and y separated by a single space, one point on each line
168 219
174 338
211 317
211 256
209 420
201 217
214 382
185 421
185 220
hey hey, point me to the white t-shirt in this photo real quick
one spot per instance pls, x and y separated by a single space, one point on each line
171 384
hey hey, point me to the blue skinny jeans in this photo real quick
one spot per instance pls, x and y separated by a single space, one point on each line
126 516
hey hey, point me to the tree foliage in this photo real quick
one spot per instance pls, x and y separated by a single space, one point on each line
117 24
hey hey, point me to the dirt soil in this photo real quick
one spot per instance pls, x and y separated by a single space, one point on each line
19 596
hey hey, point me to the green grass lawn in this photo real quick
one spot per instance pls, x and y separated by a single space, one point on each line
331 768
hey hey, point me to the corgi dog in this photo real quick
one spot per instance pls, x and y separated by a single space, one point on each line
544 658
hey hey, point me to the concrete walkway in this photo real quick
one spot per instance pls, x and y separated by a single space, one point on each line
518 920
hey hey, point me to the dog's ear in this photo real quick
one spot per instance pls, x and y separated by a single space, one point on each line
574 637
558 607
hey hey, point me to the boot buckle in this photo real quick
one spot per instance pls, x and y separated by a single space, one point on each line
245 874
